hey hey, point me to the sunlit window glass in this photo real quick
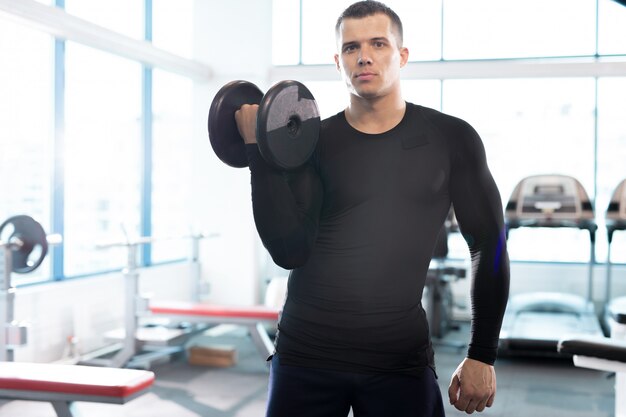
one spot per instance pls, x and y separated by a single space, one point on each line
285 32
318 29
421 22
122 16
611 157
26 131
611 27
172 26
172 154
529 127
103 145
423 92
504 29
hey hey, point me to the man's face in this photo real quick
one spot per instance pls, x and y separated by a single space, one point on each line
369 57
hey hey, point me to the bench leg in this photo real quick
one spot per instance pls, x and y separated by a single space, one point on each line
65 409
261 340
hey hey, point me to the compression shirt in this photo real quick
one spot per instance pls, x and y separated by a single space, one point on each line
357 226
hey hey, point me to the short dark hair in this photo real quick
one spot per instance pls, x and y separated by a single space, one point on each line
368 8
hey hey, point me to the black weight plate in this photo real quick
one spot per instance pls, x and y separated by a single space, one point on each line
288 125
225 139
34 247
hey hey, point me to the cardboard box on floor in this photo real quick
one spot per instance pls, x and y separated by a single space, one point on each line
221 356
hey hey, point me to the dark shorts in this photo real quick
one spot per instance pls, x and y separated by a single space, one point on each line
308 392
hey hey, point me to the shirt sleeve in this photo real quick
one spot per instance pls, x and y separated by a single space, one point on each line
286 207
478 209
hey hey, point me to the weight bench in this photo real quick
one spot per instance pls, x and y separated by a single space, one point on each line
63 385
603 354
253 317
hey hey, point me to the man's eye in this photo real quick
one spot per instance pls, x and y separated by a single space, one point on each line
349 48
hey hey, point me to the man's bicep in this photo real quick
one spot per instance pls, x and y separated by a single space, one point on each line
474 193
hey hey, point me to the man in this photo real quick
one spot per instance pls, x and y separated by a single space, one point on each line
357 226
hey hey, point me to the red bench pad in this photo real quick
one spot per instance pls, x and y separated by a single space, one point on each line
73 379
257 312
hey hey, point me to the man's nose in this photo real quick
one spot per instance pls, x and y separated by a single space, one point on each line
364 57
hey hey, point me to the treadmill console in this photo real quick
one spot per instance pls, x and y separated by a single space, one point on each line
549 201
616 212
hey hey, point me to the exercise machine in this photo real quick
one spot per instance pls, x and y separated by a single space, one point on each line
535 322
602 354
614 317
23 247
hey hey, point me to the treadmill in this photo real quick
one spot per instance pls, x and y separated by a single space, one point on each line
534 322
614 317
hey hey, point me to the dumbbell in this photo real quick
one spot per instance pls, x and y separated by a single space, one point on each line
287 128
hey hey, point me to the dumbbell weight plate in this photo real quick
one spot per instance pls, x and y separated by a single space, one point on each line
225 139
34 245
288 125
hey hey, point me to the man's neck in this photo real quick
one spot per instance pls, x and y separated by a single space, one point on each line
376 115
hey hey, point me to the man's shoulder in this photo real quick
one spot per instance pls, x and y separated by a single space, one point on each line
334 120
437 118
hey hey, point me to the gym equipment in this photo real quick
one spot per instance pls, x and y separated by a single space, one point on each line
535 322
288 123
63 385
28 242
614 317
254 318
23 247
603 354
141 346
437 297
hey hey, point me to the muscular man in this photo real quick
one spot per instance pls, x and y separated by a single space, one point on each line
357 226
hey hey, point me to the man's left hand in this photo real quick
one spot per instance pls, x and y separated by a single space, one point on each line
473 386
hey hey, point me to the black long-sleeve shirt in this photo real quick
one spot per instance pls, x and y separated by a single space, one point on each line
357 226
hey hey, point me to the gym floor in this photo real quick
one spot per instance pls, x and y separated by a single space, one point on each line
526 387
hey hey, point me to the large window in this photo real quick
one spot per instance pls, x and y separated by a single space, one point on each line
121 16
172 155
92 144
480 29
102 158
26 125
611 157
529 127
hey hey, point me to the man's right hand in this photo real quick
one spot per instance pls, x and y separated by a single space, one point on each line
246 122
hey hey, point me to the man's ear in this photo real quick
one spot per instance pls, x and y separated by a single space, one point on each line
404 56
337 62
